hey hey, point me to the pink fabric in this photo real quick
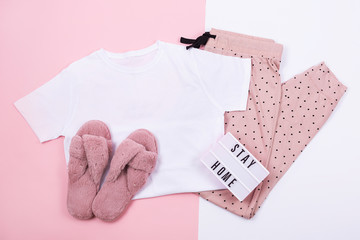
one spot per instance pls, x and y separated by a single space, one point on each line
280 120
89 154
133 162
131 165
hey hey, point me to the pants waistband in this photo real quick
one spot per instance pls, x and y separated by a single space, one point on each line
245 44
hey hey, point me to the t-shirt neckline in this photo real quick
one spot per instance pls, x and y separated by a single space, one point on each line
107 55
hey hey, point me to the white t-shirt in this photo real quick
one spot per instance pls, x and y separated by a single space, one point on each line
179 95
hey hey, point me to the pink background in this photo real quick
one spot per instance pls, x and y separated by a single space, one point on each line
37 39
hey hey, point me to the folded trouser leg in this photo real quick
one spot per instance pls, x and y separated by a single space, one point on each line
280 119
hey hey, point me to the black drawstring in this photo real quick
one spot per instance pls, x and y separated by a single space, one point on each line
196 43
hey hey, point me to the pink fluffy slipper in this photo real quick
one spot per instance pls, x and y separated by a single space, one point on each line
89 154
133 161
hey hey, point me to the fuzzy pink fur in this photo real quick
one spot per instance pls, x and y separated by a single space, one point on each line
133 162
90 149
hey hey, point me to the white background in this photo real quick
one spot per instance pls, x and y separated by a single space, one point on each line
319 197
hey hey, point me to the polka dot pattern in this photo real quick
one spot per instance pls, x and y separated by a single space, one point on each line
280 119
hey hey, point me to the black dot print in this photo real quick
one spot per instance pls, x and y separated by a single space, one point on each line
280 120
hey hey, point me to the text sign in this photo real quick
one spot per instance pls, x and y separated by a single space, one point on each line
234 166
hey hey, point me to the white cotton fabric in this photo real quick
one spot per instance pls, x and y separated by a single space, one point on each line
179 95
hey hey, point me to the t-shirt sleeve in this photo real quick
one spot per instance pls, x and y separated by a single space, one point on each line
48 108
224 78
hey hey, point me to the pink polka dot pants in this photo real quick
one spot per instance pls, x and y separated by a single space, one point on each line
280 119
